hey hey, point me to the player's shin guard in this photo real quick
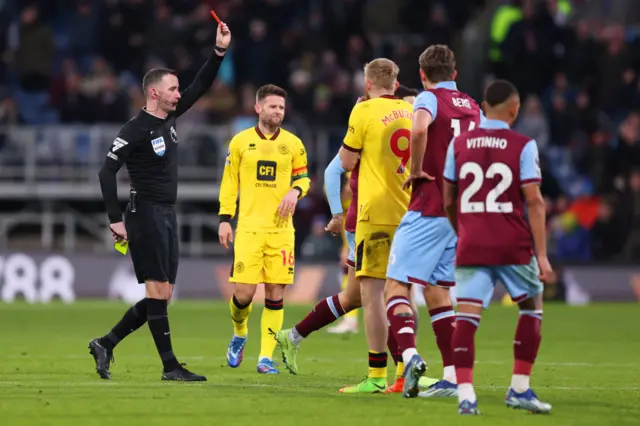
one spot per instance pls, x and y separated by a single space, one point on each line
403 327
272 319
464 354
443 323
525 348
240 316
133 319
158 320
324 313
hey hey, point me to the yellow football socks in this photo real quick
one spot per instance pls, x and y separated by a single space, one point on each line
377 365
272 319
400 369
240 316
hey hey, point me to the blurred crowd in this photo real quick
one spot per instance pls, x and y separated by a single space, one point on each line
581 102
81 62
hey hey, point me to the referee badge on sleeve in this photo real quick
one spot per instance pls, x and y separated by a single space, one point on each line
158 146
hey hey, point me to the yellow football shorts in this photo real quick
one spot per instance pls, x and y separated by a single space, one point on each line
261 257
373 245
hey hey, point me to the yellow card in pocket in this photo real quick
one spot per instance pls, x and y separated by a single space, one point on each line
121 247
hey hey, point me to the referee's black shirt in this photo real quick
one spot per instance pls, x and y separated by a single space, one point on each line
148 145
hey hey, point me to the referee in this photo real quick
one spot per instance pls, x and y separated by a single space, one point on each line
148 145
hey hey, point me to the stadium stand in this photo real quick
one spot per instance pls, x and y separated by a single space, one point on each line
69 77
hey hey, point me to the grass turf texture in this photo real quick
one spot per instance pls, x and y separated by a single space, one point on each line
588 369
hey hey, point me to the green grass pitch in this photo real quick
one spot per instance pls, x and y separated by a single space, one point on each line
588 368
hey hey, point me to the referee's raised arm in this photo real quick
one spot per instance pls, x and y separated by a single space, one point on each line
148 145
207 74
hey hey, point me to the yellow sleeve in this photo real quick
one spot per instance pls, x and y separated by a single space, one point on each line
230 181
300 174
354 138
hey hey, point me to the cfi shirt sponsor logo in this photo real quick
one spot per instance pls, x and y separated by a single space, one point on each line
159 146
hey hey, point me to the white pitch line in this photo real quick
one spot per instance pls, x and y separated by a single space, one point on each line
274 385
331 360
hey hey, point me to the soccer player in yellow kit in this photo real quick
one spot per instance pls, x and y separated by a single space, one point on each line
267 167
378 136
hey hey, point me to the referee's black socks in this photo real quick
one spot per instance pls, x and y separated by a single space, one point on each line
159 326
132 320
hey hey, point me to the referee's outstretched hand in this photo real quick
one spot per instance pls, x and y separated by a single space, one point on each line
118 231
223 36
225 234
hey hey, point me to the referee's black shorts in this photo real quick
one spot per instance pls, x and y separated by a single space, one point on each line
152 231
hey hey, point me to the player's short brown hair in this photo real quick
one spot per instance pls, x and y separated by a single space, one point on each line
382 72
270 90
438 62
153 77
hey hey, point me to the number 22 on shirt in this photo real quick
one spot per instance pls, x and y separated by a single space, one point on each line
490 205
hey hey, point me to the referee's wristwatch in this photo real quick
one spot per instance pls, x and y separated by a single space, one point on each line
225 218
220 50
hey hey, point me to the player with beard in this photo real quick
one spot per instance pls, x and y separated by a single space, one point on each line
266 168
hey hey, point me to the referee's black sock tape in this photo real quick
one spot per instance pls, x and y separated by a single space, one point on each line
159 325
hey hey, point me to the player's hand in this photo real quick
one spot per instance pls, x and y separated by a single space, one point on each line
223 36
335 225
288 204
118 231
546 273
416 177
225 234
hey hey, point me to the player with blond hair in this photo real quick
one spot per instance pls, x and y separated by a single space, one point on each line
376 141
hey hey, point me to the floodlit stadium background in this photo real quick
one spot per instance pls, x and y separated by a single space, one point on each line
70 77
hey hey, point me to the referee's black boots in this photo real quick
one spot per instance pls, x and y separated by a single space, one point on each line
181 374
102 356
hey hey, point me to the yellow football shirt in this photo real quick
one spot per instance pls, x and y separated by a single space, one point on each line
261 169
380 129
